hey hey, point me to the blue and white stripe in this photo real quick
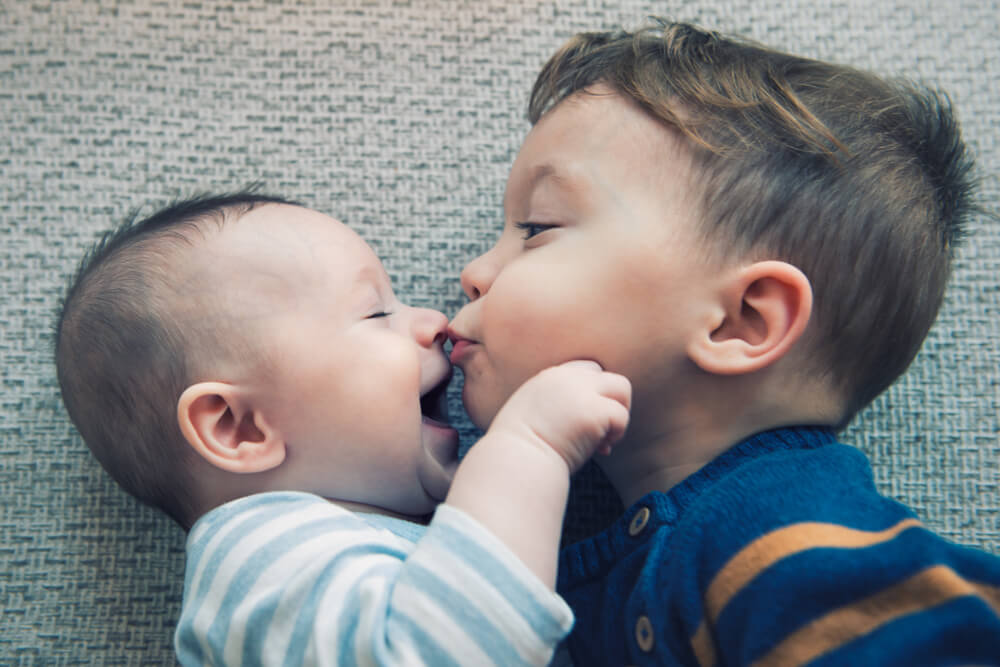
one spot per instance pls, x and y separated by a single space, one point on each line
291 579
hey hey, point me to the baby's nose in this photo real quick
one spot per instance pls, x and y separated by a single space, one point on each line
430 327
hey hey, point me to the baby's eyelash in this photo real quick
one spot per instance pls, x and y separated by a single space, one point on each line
530 229
381 313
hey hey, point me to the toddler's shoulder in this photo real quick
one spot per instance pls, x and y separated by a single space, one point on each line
803 497
805 537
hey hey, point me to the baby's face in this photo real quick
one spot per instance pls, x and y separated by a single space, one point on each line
353 379
598 259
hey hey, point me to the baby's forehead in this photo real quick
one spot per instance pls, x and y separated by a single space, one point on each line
280 251
290 224
275 233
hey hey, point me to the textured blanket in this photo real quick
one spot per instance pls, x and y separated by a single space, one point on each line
400 117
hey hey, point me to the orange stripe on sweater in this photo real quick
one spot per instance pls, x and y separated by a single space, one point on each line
768 549
929 588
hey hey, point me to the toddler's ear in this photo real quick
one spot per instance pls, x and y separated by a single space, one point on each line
227 432
760 314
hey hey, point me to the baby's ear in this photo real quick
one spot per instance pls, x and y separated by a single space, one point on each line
759 315
221 425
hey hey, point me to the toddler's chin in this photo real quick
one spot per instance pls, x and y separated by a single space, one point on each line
480 410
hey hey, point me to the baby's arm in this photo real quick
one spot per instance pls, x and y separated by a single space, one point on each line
287 578
515 480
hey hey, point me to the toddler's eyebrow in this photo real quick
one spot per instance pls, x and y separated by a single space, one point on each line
549 172
545 172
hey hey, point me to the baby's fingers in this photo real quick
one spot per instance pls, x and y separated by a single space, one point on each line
616 416
615 392
617 387
583 364
608 384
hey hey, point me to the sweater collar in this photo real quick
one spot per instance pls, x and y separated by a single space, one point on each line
580 558
674 502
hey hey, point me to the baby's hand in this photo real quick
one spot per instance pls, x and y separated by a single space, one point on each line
573 409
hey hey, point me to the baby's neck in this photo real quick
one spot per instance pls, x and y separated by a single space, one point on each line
372 509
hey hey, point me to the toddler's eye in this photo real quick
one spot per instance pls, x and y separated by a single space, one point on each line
530 229
377 315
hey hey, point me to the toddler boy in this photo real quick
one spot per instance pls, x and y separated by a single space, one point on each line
242 363
760 243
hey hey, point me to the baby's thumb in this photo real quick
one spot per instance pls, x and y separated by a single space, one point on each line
583 363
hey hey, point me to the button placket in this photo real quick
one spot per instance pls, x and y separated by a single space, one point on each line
644 634
638 522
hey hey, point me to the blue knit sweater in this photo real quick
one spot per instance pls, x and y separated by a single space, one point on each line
779 552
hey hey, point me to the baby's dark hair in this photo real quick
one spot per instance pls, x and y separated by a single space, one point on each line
123 352
862 183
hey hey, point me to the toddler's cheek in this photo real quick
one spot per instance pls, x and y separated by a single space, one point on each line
518 349
523 331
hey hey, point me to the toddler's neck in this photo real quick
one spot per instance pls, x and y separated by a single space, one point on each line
661 451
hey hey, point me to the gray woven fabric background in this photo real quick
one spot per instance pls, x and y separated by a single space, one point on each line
400 117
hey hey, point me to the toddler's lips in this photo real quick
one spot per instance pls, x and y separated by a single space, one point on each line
460 349
460 346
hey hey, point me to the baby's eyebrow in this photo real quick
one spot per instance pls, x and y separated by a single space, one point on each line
363 300
370 274
369 286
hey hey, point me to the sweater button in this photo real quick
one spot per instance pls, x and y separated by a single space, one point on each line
638 522
644 634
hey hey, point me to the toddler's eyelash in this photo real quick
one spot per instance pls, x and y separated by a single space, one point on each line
530 229
381 313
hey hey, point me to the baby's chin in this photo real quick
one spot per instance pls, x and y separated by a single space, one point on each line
438 464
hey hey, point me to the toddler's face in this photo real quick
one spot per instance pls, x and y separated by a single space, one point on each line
598 259
348 366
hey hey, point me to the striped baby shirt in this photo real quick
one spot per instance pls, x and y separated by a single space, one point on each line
288 578
780 552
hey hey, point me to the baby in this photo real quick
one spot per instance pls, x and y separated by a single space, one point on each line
241 362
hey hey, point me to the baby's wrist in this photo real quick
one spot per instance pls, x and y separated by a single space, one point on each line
532 450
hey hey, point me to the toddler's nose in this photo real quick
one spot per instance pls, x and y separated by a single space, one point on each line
477 276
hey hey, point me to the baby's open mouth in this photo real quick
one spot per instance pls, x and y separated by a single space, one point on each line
434 404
